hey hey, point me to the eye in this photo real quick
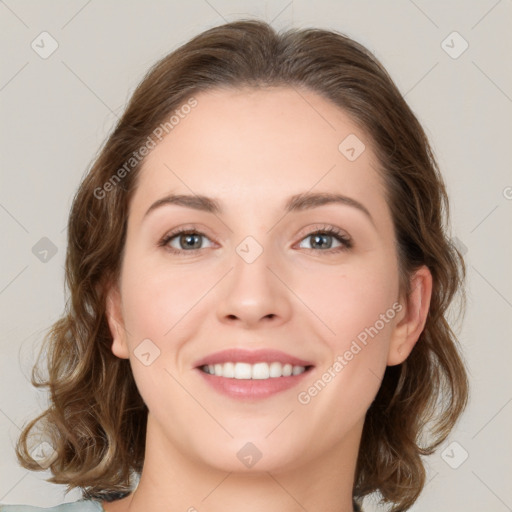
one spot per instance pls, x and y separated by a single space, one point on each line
323 239
183 240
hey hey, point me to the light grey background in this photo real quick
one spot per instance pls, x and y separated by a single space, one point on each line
56 112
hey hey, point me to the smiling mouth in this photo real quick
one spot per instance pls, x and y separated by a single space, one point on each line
256 371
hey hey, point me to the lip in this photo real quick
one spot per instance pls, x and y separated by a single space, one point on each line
252 389
237 355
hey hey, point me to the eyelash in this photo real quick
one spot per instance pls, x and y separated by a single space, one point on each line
346 242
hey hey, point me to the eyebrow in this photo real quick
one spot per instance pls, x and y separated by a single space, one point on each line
298 202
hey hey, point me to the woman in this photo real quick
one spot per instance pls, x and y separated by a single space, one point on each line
259 272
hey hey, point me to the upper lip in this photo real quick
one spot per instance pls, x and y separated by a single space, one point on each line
237 355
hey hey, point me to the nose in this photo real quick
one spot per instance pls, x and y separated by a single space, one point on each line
254 294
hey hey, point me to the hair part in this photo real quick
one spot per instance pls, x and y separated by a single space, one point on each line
96 420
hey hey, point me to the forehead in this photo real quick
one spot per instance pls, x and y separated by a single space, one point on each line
247 144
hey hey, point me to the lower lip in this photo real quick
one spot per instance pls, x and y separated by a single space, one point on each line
247 389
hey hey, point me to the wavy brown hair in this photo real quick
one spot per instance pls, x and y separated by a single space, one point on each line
96 420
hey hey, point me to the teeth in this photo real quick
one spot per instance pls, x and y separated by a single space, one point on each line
242 370
247 371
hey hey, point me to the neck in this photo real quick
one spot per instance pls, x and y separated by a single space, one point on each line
173 481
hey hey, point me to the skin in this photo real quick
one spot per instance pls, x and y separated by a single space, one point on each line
251 150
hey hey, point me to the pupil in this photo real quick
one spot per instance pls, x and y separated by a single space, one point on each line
318 240
190 242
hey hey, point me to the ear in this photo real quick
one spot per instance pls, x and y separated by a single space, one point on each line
116 322
414 315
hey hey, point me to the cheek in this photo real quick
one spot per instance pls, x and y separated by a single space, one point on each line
157 300
352 299
157 307
361 313
357 309
160 308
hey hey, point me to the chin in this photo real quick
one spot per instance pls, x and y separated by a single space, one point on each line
254 453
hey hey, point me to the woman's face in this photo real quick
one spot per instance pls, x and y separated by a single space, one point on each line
252 175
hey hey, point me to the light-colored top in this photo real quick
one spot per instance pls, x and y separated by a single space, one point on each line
76 506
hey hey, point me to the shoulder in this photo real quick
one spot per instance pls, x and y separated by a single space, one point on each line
76 506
